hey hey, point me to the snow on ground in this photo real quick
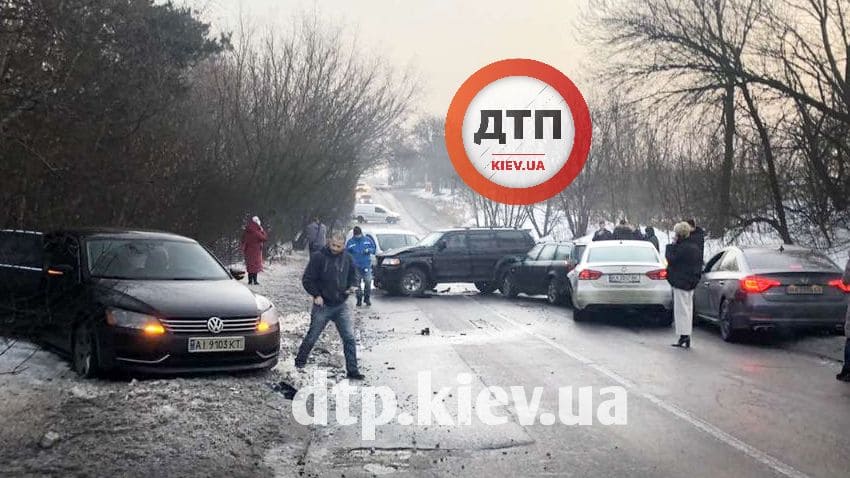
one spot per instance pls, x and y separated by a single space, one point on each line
204 425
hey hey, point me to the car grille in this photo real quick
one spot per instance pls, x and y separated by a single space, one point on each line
199 326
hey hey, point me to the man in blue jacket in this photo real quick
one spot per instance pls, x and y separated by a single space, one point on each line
362 248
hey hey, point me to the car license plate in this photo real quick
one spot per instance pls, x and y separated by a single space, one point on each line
624 278
804 290
216 344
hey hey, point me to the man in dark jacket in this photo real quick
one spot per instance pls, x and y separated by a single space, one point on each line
651 237
329 279
602 234
624 232
316 233
684 268
844 376
697 237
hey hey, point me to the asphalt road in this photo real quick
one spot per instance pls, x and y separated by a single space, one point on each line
718 409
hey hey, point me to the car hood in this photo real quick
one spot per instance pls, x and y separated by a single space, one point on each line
202 298
403 250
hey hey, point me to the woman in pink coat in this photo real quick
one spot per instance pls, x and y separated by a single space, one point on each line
252 247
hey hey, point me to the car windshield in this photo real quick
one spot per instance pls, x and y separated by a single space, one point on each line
431 239
150 259
789 261
622 254
394 241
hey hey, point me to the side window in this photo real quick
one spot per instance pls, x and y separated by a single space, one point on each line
534 252
482 241
548 253
380 210
513 240
455 242
714 263
729 262
563 252
578 251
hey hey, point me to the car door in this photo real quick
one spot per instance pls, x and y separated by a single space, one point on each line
539 277
702 299
727 275
484 252
562 264
21 267
379 214
65 293
451 263
522 271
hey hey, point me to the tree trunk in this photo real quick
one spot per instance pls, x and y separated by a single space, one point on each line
721 219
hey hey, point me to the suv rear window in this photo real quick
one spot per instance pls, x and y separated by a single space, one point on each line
622 254
789 261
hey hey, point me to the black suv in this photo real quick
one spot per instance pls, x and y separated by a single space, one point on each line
451 255
543 270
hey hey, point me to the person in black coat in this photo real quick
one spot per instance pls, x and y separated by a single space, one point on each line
684 268
697 237
602 234
624 231
651 237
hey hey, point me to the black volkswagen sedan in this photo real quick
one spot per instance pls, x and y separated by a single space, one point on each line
146 301
764 288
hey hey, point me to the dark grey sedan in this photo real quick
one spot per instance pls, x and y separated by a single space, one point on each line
745 289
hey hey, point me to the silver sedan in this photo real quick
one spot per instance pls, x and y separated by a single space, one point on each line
621 275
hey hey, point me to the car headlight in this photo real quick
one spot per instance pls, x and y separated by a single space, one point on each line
134 320
269 318
392 261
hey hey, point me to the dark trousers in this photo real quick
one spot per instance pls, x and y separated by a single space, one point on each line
252 278
847 355
319 318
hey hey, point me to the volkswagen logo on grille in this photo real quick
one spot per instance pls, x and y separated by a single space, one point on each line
623 269
215 325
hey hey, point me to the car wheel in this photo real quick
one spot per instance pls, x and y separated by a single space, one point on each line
485 287
553 295
508 288
727 333
361 219
413 281
581 315
85 351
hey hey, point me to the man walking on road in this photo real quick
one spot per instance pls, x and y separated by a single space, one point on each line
317 234
362 248
329 278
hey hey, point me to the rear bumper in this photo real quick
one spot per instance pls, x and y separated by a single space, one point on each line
590 297
128 349
788 315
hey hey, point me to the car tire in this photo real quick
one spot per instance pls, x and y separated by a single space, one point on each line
508 288
581 315
413 281
361 219
84 352
485 287
727 333
553 295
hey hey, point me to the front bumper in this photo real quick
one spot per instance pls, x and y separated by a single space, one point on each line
386 277
130 349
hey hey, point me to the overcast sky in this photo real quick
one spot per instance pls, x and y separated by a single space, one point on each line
443 40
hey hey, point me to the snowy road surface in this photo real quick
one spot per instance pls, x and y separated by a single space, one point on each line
771 408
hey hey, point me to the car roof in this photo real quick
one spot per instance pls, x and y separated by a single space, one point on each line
464 229
616 243
385 230
118 233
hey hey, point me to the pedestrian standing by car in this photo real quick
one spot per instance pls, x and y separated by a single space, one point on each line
329 279
624 231
844 376
684 266
602 234
253 239
362 248
650 236
317 235
698 237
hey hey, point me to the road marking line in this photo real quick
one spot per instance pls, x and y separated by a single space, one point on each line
700 424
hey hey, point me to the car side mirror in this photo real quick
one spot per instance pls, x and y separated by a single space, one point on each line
237 274
59 270
441 245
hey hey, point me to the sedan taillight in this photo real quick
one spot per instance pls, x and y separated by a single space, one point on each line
658 274
589 274
840 285
757 284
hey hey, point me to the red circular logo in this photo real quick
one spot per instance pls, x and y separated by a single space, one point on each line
518 131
